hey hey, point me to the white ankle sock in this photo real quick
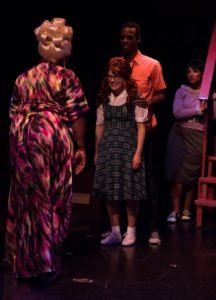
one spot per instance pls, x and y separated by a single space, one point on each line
116 229
131 230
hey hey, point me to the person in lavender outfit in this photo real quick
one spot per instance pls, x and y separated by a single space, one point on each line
184 146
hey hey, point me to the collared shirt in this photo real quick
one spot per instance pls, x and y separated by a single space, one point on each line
147 73
141 114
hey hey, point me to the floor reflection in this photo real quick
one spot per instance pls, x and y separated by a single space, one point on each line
183 266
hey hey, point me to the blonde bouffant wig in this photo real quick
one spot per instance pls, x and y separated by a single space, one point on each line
54 39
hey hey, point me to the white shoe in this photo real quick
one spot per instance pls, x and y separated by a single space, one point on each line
112 238
154 238
129 239
173 217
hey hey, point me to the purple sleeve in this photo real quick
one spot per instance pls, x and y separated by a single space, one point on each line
179 110
75 101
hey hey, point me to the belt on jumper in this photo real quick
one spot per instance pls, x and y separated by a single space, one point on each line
198 119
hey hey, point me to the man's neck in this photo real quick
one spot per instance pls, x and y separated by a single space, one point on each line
130 56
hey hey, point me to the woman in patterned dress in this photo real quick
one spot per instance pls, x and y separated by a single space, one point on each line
46 112
120 135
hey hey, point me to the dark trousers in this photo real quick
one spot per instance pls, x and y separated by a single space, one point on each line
154 163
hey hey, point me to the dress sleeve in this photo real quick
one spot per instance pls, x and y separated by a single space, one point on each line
100 115
15 101
141 114
75 101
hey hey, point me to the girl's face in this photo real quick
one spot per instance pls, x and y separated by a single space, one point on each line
116 83
194 76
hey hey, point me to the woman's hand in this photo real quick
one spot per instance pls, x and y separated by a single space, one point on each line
79 160
203 106
136 162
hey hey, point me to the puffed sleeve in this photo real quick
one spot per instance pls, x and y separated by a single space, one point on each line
141 114
100 115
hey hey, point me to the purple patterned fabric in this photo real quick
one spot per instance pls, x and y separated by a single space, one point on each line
46 100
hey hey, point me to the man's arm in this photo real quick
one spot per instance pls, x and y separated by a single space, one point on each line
157 97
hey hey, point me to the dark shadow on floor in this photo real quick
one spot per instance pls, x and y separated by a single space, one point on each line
182 267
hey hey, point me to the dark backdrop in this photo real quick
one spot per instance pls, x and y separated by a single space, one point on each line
171 33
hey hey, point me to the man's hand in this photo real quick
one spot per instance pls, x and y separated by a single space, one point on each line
142 102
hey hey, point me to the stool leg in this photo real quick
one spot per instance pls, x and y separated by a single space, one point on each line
199 216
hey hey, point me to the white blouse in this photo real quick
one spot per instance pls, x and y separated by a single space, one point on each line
141 114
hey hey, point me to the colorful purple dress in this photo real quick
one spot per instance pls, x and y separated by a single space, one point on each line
46 100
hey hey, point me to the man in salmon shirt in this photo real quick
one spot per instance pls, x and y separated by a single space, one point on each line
147 73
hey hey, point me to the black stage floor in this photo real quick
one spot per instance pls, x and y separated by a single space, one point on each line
182 267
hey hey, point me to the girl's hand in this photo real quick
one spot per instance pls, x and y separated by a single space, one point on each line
136 162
